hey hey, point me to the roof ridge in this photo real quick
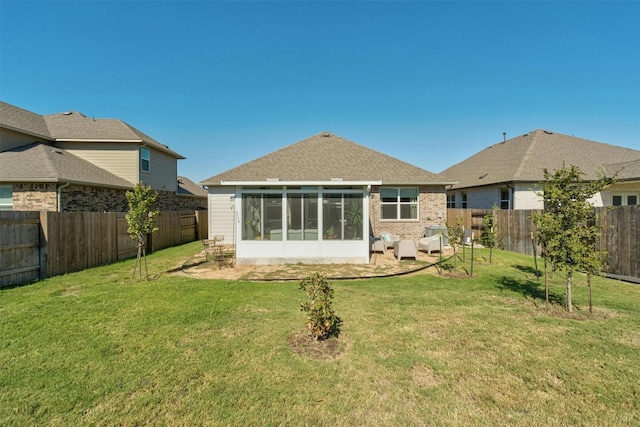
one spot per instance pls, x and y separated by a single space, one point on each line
48 162
525 158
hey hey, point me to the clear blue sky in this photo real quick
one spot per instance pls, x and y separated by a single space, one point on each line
427 82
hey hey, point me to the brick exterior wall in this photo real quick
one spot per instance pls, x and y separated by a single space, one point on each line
35 197
432 210
80 198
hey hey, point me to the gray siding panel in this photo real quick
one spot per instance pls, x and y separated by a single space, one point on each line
163 172
10 139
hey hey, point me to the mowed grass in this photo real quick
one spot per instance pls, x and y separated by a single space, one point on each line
97 348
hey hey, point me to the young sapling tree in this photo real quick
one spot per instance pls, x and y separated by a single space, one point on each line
141 221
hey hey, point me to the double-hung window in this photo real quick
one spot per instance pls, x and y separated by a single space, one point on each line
505 199
145 159
451 200
399 203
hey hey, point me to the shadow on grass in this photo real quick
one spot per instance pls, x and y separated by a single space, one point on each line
529 270
528 288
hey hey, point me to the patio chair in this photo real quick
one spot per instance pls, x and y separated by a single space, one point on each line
377 244
405 249
389 239
430 244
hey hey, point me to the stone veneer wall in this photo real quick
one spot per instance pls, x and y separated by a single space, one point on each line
168 201
80 198
432 206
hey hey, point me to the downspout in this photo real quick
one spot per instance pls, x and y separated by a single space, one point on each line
60 195
512 206
512 196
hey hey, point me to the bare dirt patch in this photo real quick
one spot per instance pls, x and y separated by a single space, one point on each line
303 344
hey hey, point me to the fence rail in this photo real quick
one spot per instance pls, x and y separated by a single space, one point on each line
619 233
35 245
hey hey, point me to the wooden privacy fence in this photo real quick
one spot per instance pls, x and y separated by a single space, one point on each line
20 237
619 233
35 245
513 227
620 237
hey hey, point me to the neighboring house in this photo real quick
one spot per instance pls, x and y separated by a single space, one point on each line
318 200
188 188
507 174
71 162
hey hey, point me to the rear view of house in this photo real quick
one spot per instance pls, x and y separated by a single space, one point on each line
318 201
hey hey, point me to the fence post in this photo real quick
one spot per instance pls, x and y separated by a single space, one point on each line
44 238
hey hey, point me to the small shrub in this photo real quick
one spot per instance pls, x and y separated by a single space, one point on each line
322 321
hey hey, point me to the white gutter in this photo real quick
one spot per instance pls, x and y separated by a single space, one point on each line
95 140
276 182
60 194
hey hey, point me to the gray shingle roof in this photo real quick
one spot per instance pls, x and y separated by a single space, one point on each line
325 156
626 170
53 165
74 126
189 188
15 118
523 158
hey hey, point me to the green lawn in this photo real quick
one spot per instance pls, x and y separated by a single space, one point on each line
98 348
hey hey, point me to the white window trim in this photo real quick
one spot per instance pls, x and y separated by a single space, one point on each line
148 159
625 197
451 201
320 191
398 203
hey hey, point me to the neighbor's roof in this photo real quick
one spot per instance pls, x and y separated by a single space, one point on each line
53 165
326 157
523 159
72 126
20 120
75 126
186 187
626 170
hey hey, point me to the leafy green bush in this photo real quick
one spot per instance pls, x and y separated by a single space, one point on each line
322 320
